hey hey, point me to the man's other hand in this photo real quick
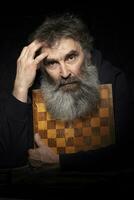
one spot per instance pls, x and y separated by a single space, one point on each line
43 154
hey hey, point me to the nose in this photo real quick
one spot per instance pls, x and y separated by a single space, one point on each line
64 71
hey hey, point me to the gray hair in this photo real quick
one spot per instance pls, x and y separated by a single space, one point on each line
68 25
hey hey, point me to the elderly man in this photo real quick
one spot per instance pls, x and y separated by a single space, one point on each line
71 72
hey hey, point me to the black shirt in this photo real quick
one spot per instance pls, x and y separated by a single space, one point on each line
14 132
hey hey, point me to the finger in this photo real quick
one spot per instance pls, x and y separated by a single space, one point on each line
35 163
34 154
33 43
31 51
31 151
23 52
38 140
39 58
27 49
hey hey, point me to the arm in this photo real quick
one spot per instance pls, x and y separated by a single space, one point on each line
16 120
14 129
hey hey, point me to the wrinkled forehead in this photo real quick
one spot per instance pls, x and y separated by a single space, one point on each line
61 48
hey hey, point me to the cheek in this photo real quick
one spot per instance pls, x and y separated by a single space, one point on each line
54 74
76 70
77 67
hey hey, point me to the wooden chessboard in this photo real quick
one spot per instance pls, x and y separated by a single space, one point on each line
90 132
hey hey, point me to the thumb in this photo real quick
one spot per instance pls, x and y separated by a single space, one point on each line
38 140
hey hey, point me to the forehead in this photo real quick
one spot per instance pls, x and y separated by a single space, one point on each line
62 47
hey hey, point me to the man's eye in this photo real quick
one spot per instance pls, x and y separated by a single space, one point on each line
52 65
71 57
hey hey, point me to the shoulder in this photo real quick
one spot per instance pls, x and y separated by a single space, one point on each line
109 73
106 71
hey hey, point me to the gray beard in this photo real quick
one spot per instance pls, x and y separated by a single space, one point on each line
69 105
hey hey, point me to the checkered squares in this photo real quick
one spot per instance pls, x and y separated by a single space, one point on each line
90 132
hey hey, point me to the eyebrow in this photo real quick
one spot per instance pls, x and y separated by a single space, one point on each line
72 52
48 61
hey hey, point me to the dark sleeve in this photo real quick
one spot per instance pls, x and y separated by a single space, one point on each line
15 132
115 156
123 111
